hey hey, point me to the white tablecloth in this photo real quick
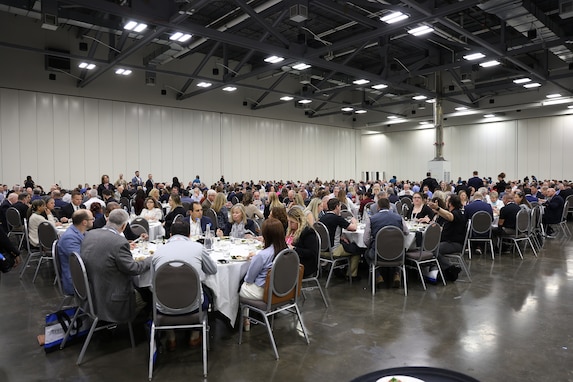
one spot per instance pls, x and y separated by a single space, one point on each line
156 230
358 237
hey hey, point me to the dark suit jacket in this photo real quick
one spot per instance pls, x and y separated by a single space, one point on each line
553 210
3 208
128 233
68 210
307 249
110 267
204 221
22 209
148 185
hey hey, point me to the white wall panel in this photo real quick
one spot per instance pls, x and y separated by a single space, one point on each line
10 169
78 144
45 140
105 138
93 153
61 143
27 142
118 141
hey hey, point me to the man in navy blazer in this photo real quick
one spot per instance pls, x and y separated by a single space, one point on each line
553 210
196 212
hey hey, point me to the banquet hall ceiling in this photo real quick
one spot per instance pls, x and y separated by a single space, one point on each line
342 41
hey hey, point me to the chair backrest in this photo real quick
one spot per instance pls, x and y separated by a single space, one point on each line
432 237
57 266
389 245
399 208
142 222
13 218
406 200
481 223
234 200
211 214
47 234
318 245
81 283
125 203
186 206
522 222
177 218
346 214
138 229
565 210
284 279
322 231
257 226
169 280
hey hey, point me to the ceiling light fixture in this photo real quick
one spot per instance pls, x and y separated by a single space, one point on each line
424 123
522 80
474 56
204 84
379 86
392 117
135 26
361 111
286 98
556 101
461 108
347 109
532 85
394 17
489 115
433 100
570 107
554 95
419 97
301 66
274 59
488 64
85 65
421 30
181 37
305 101
123 72
229 88
361 81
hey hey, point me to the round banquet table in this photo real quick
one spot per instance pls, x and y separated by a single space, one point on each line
425 374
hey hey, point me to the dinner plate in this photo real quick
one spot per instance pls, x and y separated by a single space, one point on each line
401 378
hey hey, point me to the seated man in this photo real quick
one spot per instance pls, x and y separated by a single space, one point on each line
553 210
71 241
74 205
110 267
179 247
384 217
335 224
475 206
194 213
507 222
102 221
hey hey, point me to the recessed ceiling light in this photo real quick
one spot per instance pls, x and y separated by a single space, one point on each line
392 117
181 37
135 26
379 86
347 109
274 59
474 56
85 65
532 85
424 123
433 100
286 98
570 107
360 82
461 108
305 101
229 88
489 115
421 30
361 111
301 66
522 80
419 97
204 84
123 72
556 101
140 28
488 64
555 95
394 17
130 25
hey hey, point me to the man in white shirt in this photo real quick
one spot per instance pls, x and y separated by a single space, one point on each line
94 199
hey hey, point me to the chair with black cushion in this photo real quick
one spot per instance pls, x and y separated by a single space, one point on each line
481 231
313 277
563 223
521 234
47 235
406 202
141 222
33 252
366 210
389 252
326 253
281 295
176 288
536 227
86 306
211 214
346 214
427 252
399 208
15 226
458 257
234 200
125 204
58 270
178 217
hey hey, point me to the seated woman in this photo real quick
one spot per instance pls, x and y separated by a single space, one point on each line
303 240
420 211
222 212
273 201
496 203
251 210
521 201
280 214
254 286
241 227
176 209
96 210
139 201
152 211
35 218
49 212
311 212
463 197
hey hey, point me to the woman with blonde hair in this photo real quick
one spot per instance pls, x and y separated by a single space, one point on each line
154 193
272 202
241 225
311 212
222 212
303 240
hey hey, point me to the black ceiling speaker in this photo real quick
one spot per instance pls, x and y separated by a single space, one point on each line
83 46
215 71
491 100
163 92
531 34
52 77
451 88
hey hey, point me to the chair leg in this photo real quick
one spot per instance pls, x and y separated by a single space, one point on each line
37 269
322 293
298 315
442 273
205 340
241 317
516 244
330 274
26 263
531 245
405 282
87 342
373 279
271 337
131 338
421 275
491 248
151 350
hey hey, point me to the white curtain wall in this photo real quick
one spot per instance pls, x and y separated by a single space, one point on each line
70 140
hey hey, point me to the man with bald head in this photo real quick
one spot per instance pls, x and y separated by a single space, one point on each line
8 202
553 210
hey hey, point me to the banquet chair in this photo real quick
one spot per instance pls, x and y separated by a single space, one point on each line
234 200
58 269
427 252
562 225
211 214
176 287
125 204
186 205
389 252
33 252
346 214
458 257
47 235
15 226
407 201
326 253
313 278
177 218
521 234
138 229
399 208
86 306
481 231
140 222
536 227
281 295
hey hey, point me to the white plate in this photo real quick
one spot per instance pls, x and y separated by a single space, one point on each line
401 378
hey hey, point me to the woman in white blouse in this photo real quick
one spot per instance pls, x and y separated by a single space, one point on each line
151 212
35 218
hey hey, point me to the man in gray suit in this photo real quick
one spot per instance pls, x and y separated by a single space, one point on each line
110 267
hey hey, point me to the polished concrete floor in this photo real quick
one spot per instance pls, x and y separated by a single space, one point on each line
512 323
